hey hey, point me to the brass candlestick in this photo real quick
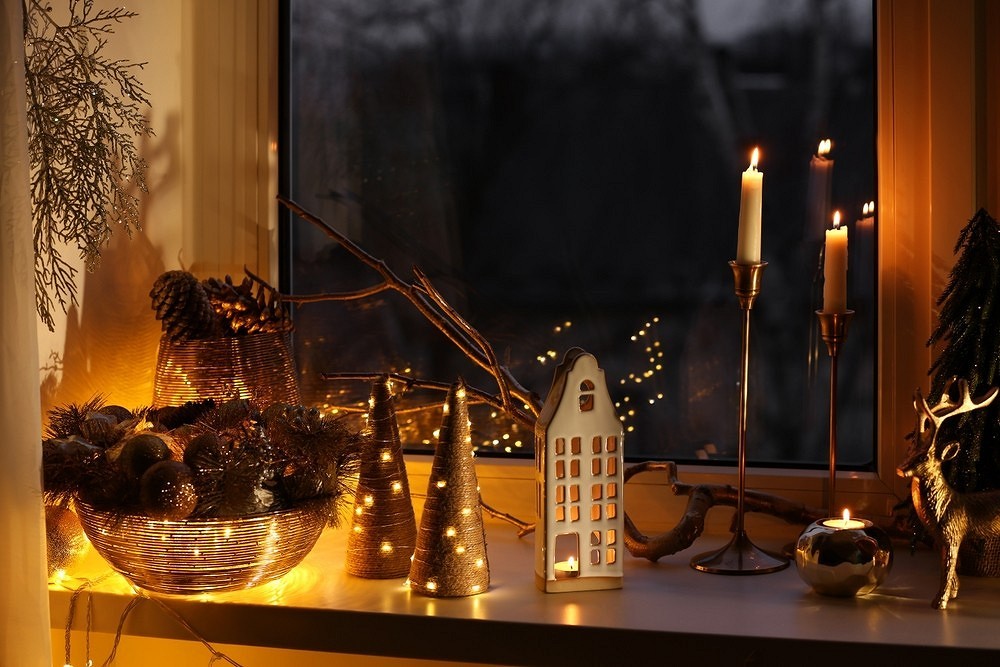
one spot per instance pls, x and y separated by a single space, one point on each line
833 331
741 556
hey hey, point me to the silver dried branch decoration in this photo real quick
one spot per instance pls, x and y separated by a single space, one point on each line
84 112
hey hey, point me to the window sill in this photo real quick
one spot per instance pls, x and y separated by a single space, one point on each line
665 608
508 485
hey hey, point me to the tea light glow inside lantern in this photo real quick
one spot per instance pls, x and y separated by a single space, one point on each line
567 568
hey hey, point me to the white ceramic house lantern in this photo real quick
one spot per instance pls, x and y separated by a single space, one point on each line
578 470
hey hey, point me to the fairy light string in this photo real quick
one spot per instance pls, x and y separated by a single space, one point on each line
86 587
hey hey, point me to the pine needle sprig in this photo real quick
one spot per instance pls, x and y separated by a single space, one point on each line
67 420
84 112
319 455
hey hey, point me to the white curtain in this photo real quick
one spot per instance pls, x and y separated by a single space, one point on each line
24 602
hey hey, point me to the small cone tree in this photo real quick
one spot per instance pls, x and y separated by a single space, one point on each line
384 530
969 328
450 559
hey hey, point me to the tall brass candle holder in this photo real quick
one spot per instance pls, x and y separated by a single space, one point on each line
833 331
741 556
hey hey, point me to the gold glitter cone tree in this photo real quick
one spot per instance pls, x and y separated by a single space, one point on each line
450 560
384 530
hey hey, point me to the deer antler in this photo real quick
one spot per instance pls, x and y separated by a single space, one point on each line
946 407
929 418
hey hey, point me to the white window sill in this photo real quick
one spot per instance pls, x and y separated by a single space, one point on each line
666 610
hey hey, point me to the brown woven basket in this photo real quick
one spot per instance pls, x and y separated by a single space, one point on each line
256 366
203 555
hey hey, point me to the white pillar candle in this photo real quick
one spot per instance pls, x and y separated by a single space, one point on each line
835 268
748 236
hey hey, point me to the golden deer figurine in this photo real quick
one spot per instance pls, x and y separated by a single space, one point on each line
952 515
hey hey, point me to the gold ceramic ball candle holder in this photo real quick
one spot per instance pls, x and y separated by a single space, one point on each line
843 557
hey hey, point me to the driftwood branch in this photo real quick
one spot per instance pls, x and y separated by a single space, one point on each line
701 498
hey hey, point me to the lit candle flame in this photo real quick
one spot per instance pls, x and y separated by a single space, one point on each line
754 157
836 219
824 147
847 515
571 561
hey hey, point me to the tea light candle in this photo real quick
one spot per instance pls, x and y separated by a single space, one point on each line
567 568
835 268
748 235
845 522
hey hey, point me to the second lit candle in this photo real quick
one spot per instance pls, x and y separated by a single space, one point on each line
835 268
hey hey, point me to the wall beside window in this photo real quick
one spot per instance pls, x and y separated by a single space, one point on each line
933 172
210 74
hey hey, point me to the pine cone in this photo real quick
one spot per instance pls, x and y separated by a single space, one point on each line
180 301
244 311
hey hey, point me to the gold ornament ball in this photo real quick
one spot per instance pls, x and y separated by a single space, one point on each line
140 453
167 491
65 542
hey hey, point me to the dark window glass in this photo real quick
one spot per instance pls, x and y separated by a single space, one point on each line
567 174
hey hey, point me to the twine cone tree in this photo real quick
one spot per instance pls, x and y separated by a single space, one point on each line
450 559
384 530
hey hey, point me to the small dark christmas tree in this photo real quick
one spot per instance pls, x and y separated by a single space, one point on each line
969 327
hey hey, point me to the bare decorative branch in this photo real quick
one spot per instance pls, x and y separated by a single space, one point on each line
475 396
513 399
523 527
432 305
495 369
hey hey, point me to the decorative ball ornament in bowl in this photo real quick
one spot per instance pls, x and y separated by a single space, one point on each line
843 557
205 496
65 541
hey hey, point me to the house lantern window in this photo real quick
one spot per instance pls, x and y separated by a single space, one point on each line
586 396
